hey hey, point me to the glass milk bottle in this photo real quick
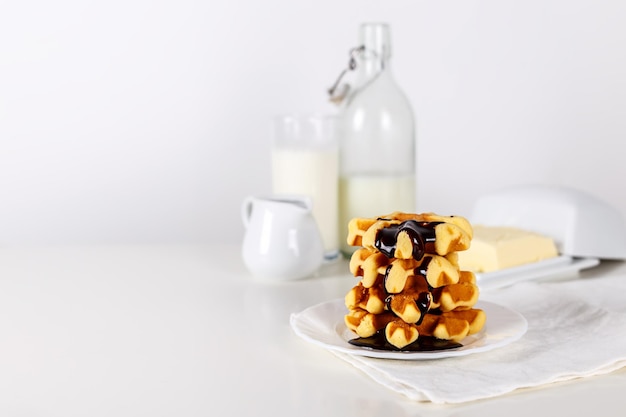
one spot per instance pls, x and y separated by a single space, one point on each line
377 146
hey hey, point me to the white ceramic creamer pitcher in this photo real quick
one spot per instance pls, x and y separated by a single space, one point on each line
282 240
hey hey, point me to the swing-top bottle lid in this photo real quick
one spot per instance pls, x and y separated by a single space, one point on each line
376 37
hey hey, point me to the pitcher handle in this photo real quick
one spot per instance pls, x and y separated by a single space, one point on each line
246 210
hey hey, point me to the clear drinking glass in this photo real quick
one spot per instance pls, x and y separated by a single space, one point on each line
305 161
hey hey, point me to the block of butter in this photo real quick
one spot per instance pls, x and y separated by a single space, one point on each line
494 248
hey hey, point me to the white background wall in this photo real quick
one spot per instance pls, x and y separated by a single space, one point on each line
147 121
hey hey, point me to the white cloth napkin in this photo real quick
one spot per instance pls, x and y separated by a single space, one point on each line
575 329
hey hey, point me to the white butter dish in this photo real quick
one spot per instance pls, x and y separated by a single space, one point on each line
580 224
585 230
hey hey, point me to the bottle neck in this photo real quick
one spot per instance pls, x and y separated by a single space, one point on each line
375 39
373 66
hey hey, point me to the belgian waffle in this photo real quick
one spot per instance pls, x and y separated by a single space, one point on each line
410 236
410 282
452 325
437 270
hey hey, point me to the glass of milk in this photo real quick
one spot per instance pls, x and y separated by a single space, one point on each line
305 161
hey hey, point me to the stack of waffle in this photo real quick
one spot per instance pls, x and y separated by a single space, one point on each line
410 284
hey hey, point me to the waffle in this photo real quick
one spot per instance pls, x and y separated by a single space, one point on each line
400 333
416 297
459 296
369 265
437 270
452 325
410 236
410 304
366 324
371 299
410 282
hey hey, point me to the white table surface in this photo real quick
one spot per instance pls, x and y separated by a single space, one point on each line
186 331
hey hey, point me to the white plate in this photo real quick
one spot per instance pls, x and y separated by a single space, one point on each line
559 268
323 325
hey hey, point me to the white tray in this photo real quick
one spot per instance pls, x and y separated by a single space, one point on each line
554 269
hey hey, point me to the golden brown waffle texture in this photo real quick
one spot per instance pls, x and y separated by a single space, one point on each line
410 282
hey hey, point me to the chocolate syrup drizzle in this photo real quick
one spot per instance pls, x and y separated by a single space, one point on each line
422 344
422 235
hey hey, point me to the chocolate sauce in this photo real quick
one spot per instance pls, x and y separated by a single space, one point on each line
422 235
422 344
422 269
386 240
423 304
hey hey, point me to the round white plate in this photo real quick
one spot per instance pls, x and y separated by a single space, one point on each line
323 324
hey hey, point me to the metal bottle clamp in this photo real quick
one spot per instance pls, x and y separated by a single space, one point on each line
338 96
